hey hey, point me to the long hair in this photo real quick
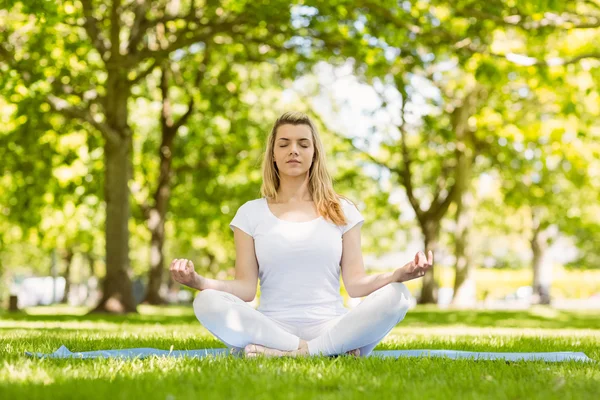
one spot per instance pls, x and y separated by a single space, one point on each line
320 184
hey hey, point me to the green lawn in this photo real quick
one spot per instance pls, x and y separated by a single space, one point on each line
540 329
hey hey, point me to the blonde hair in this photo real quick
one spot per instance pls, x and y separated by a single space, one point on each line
320 184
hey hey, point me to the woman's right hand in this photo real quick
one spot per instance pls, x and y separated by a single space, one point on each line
182 271
414 269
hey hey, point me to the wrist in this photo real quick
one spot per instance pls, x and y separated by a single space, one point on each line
200 283
399 275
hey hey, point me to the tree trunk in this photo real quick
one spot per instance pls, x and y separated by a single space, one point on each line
157 214
68 257
117 294
90 260
464 281
429 291
156 224
156 260
542 269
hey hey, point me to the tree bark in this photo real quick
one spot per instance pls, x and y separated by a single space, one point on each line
68 257
90 260
117 294
542 268
156 215
429 291
156 224
464 281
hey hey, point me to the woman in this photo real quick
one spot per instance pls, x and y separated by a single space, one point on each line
297 239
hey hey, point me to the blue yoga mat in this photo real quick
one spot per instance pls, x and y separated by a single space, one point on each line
63 352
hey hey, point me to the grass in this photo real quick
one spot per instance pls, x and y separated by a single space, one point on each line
539 329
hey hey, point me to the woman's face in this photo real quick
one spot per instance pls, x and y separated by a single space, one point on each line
293 142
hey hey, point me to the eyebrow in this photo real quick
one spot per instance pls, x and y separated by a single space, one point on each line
289 139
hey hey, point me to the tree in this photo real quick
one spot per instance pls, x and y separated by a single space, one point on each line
91 81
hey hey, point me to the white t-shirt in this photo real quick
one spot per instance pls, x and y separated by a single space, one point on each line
298 262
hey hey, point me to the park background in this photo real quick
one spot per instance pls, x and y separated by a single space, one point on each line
132 131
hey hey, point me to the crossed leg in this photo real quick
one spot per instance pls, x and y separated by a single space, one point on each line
360 330
239 325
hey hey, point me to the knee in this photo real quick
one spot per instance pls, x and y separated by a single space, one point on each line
401 299
206 302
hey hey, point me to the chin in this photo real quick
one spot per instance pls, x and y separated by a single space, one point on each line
296 172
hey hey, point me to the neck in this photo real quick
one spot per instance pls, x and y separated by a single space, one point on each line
293 188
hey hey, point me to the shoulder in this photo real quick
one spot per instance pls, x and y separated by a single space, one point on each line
347 205
251 206
352 213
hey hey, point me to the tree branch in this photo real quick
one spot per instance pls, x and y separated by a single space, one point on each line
139 20
184 39
142 24
572 60
142 74
199 78
460 125
438 210
115 29
405 172
63 107
405 175
91 27
520 20
183 119
592 3
552 62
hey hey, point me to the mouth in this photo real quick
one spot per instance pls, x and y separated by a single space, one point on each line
293 162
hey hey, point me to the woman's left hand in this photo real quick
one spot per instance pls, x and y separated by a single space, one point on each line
414 269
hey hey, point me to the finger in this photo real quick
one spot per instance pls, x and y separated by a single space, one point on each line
180 265
190 265
187 270
184 266
430 258
421 259
175 274
172 264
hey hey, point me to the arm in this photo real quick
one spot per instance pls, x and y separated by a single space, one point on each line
356 280
246 271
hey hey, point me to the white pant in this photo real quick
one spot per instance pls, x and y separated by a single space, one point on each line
237 324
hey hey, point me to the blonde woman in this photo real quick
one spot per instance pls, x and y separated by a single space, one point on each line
297 238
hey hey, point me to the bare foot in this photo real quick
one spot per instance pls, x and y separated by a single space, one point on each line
255 350
355 352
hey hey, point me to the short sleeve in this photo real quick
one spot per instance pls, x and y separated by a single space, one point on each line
353 216
242 221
